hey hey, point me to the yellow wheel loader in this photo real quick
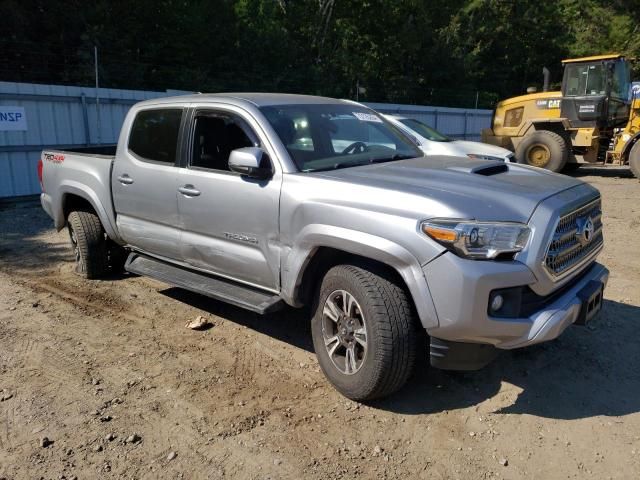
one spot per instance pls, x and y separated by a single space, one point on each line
594 119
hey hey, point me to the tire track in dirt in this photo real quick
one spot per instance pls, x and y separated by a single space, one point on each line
5 429
242 361
53 286
252 368
245 362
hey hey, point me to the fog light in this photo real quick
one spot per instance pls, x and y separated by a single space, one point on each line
505 302
496 303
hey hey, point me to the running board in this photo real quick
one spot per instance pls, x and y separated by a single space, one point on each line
215 287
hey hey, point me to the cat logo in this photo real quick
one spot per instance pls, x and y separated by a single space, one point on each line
548 104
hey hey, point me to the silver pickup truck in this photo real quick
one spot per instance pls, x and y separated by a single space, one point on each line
265 200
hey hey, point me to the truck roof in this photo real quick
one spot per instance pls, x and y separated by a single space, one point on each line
611 56
257 99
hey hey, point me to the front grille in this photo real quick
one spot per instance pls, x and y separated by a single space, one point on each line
566 250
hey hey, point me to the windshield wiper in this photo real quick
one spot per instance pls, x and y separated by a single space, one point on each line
338 166
397 156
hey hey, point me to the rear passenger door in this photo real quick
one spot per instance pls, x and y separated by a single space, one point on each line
145 181
230 222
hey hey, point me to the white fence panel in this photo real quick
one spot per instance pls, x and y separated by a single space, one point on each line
458 123
62 116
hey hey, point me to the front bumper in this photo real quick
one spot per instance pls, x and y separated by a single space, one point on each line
460 290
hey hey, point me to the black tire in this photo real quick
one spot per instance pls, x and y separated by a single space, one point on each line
634 160
391 335
89 243
544 149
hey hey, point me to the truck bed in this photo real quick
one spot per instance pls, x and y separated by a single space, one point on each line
84 172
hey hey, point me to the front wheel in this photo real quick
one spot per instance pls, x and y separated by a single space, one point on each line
543 149
364 332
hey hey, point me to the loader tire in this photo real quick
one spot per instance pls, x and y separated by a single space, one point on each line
543 149
634 160
89 243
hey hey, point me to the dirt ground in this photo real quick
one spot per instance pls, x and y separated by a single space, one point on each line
108 373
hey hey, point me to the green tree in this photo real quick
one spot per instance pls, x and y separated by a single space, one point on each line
439 52
503 45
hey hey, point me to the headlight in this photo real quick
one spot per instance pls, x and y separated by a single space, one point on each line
477 240
478 156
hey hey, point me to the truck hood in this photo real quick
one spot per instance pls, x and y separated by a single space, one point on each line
453 187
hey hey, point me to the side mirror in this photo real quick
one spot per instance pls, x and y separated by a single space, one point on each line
251 162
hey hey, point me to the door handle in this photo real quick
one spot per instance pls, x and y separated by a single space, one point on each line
189 191
125 179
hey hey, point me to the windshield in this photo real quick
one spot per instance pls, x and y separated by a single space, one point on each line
330 136
582 80
424 130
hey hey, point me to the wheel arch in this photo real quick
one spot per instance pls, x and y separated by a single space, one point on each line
306 265
75 197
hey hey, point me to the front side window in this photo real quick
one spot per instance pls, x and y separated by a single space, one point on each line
154 134
216 135
330 136
621 80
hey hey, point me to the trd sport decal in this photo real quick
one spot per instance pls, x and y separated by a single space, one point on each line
53 157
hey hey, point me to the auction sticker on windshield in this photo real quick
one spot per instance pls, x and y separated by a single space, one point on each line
367 117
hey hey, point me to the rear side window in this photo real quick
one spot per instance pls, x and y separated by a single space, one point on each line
154 134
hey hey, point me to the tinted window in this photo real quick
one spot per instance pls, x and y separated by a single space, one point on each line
216 136
154 134
621 81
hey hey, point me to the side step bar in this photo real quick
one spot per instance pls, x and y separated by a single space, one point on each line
215 287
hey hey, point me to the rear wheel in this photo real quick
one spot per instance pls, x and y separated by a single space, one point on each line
543 149
89 243
364 332
634 159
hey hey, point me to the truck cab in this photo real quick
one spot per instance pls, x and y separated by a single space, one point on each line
595 91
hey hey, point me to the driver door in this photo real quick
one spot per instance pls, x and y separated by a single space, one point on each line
229 222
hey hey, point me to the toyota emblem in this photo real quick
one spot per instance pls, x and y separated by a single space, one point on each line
585 232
